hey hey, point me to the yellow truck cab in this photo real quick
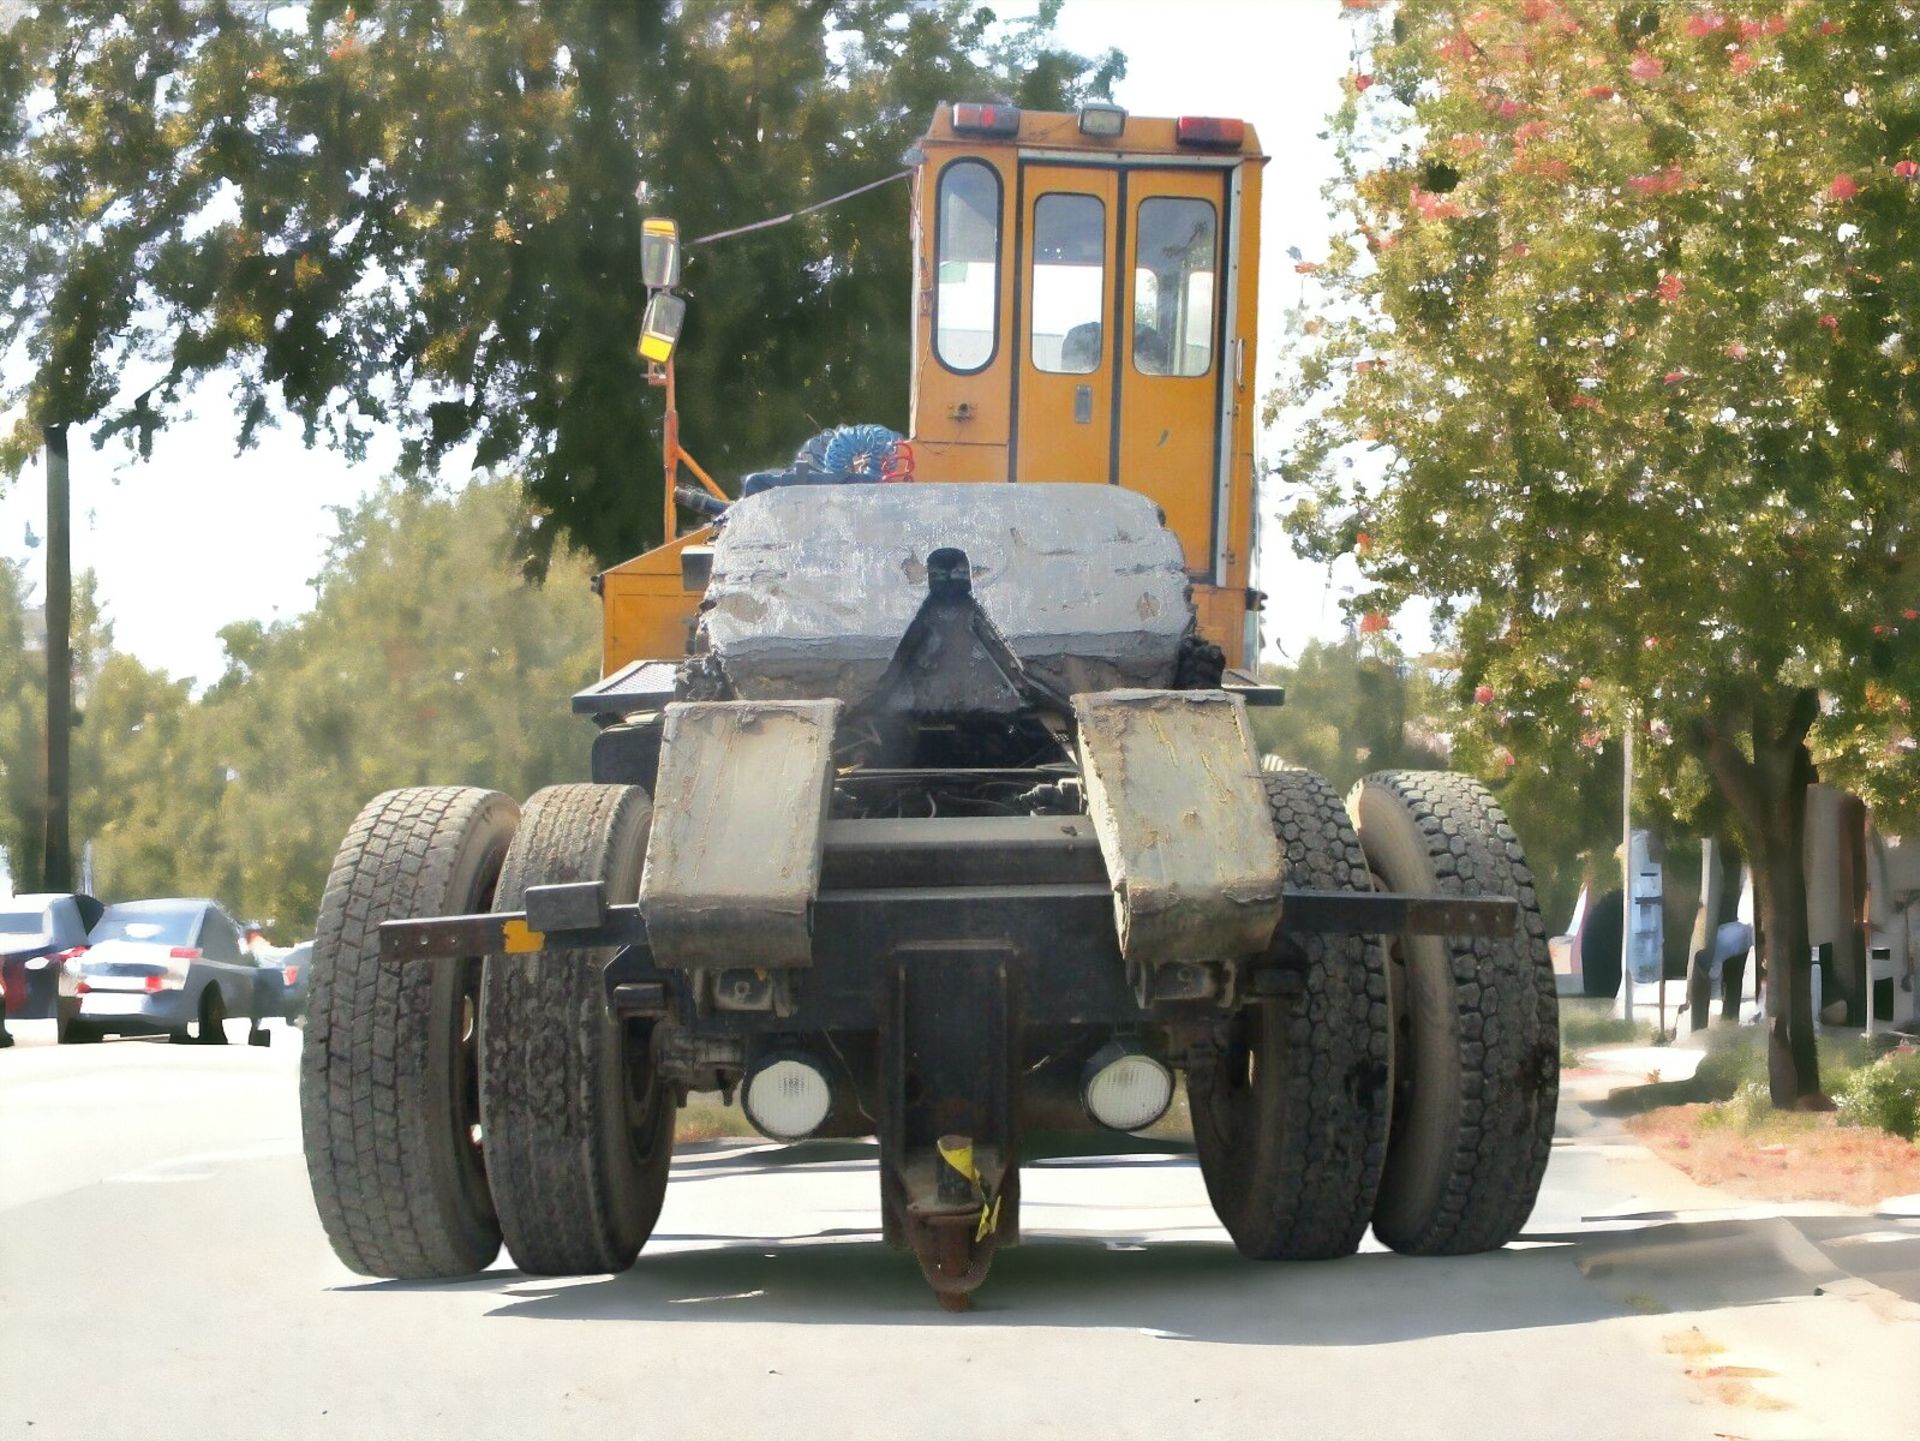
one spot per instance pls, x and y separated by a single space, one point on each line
1084 310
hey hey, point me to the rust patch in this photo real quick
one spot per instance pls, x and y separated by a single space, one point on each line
1692 1342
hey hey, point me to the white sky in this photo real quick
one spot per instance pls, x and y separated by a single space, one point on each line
199 537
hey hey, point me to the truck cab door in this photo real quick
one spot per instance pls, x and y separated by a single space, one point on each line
1066 324
1171 393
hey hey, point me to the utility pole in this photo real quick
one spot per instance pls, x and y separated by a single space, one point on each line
59 847
1626 869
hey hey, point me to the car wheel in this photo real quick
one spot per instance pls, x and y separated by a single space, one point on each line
213 1017
69 1029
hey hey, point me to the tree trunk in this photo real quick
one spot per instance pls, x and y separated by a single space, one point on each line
1768 794
57 856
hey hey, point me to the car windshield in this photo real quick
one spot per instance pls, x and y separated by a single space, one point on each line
17 924
167 928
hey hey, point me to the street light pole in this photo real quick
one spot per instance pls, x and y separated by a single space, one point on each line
1626 868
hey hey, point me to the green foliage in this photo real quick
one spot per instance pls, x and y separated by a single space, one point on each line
1625 314
1748 1109
1352 708
1628 323
424 215
427 658
1585 1022
1885 1094
111 692
1357 706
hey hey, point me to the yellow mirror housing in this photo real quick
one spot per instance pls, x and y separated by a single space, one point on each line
660 328
659 253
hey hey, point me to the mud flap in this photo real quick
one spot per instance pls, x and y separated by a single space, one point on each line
1176 799
733 859
949 1165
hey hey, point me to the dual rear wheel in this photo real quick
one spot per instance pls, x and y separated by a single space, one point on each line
1411 1081
447 1106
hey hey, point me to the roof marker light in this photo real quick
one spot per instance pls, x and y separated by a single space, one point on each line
1210 131
1002 120
1102 121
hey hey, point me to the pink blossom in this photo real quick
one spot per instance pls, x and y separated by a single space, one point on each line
1483 695
1362 82
1646 67
1842 188
1741 62
1704 24
1674 377
1600 92
1670 287
1660 182
1510 108
1829 322
1736 351
1906 169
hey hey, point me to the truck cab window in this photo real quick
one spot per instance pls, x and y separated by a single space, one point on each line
967 266
1173 287
1069 281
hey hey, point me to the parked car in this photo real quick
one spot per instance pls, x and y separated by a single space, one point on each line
282 981
37 932
171 967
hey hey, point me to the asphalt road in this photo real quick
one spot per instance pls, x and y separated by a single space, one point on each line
162 1274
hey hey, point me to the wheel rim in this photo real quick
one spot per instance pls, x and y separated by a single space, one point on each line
645 1096
464 1015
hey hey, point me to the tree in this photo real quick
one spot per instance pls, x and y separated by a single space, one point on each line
1626 311
423 216
1353 707
1358 705
119 699
427 658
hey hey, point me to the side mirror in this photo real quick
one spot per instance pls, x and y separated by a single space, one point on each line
659 253
660 327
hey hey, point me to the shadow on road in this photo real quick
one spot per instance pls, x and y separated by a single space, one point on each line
1174 1286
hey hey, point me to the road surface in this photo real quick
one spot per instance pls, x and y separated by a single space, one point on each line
162 1274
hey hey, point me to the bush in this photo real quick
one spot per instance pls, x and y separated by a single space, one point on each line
1735 1060
1885 1094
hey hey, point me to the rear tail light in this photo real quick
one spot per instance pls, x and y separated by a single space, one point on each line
185 953
154 983
1210 131
292 973
987 119
80 988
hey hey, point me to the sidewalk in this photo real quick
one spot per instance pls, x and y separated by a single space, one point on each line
1837 1248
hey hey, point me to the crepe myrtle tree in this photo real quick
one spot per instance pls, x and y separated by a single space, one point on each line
1617 359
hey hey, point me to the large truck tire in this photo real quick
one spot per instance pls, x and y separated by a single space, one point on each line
1291 1121
579 1130
1476 1023
389 1073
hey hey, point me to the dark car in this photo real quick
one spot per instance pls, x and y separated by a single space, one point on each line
37 933
280 987
168 967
